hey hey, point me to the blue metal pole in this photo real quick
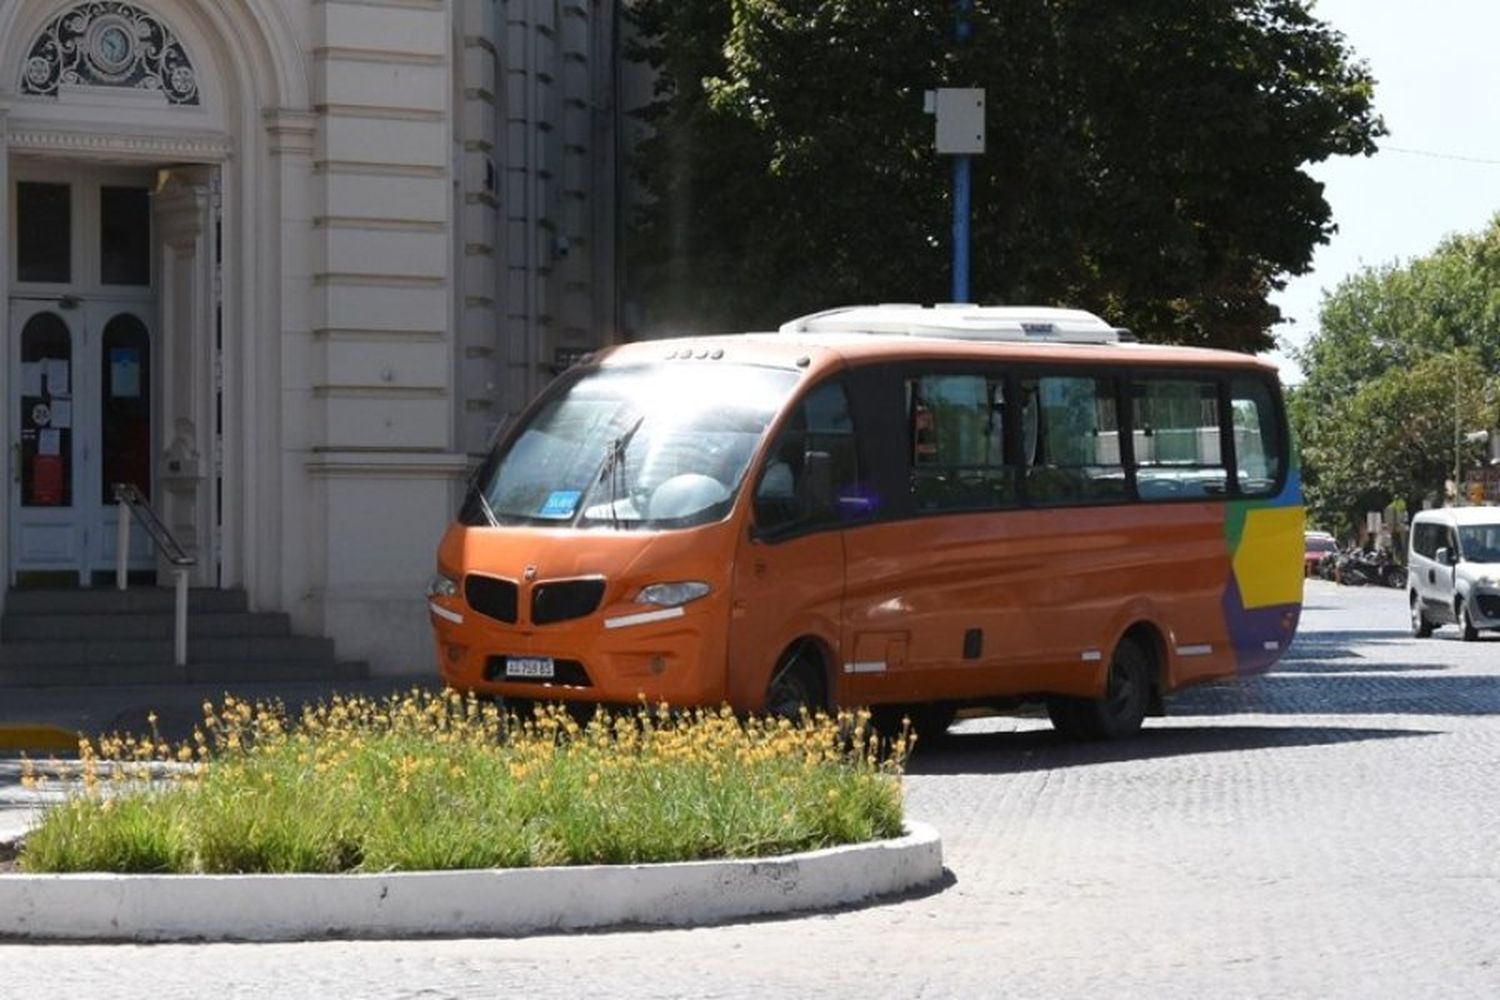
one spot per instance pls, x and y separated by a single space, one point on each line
961 183
961 228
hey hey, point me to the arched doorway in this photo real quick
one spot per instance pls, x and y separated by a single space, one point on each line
81 388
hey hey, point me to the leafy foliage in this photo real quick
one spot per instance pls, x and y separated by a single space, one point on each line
442 781
1145 159
1405 360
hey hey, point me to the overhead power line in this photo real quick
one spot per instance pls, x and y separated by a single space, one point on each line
1433 155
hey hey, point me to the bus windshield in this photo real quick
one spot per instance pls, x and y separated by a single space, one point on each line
642 447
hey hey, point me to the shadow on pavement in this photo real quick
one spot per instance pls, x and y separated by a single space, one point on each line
1042 750
1355 665
1348 693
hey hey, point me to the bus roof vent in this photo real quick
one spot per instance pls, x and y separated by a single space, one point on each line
960 321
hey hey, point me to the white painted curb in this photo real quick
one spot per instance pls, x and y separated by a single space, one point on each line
489 902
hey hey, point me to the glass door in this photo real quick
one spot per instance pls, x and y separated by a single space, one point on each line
81 385
47 458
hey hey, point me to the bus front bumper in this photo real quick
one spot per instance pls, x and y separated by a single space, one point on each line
672 655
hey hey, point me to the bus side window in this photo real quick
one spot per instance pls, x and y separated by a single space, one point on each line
1071 437
811 475
1257 437
956 430
1178 444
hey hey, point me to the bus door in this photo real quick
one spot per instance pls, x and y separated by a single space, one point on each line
789 567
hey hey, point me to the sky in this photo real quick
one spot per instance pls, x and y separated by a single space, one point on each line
1438 89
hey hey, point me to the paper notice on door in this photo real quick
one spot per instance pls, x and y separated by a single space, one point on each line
62 413
31 378
57 377
49 441
124 372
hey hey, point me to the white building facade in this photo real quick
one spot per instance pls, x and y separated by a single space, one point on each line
287 265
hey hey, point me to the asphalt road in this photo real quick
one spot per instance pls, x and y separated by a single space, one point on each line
1328 830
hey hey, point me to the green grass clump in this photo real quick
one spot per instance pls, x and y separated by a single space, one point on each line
427 782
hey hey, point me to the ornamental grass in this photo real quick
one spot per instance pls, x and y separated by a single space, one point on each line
442 781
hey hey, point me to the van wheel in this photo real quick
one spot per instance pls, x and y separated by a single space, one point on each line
1466 623
796 686
1420 626
1120 712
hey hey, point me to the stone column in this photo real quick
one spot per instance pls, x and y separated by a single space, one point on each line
183 211
6 416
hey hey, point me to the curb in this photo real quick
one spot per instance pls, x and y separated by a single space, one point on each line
489 902
15 737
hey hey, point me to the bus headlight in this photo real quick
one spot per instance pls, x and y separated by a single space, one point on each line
671 595
442 586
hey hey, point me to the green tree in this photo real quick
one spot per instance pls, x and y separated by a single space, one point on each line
1404 355
1394 438
1145 159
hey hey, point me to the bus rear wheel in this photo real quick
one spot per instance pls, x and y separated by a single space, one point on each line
1119 713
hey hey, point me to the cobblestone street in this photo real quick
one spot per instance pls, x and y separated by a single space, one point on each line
1326 831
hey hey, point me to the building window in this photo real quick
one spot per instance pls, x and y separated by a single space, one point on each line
44 232
124 236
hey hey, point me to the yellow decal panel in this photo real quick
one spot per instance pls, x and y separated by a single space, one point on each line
1268 561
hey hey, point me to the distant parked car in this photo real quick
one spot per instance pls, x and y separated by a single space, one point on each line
1317 544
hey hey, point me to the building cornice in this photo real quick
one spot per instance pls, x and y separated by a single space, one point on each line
387 463
178 147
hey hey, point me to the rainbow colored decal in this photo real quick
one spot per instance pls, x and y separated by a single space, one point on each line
1263 599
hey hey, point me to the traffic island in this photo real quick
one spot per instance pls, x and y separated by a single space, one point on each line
488 902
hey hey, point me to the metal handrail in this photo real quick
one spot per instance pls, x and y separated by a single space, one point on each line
134 506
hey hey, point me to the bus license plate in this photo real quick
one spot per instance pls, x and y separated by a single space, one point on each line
529 666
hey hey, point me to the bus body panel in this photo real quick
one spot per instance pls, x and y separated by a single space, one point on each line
1050 591
890 603
679 659
783 593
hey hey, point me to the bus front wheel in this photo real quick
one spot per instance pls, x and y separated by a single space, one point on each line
796 685
1120 712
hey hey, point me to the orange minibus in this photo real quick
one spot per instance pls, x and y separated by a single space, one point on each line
917 509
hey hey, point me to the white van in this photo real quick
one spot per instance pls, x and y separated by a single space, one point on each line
1453 570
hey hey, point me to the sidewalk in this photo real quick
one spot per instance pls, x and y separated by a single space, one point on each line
47 721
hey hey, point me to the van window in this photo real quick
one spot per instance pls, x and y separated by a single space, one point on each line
956 431
1424 539
1480 542
1070 440
1257 437
811 477
1177 441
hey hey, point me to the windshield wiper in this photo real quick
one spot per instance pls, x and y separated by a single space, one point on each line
485 508
614 459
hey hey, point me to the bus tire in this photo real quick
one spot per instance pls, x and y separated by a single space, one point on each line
796 684
1118 714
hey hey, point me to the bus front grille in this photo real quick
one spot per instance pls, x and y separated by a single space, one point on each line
563 600
492 597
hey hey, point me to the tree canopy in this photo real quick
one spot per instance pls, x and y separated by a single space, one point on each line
1402 368
1145 160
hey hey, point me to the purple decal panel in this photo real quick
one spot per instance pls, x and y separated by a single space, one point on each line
1259 636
